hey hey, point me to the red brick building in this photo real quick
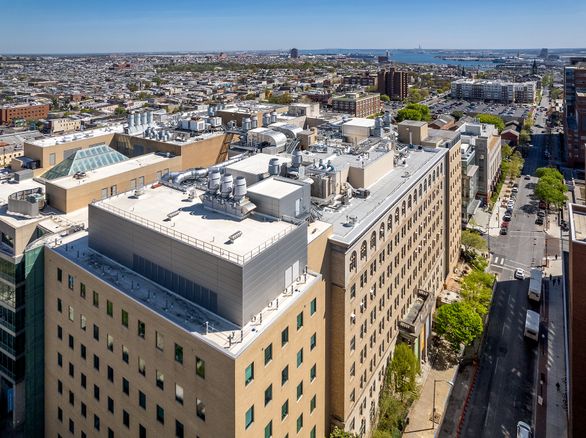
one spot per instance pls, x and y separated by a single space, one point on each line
27 112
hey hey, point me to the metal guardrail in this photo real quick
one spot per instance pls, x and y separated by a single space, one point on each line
200 244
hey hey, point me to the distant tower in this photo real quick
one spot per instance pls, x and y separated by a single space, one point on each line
294 53
463 72
534 67
544 53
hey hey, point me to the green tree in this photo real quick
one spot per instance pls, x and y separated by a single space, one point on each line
549 172
408 114
417 94
341 433
385 98
282 99
555 93
133 87
120 111
472 240
249 96
458 323
382 434
524 136
404 370
551 190
457 114
492 119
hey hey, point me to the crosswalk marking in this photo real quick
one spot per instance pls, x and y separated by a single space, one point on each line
497 260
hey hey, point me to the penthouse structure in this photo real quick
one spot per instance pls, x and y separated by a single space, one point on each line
494 90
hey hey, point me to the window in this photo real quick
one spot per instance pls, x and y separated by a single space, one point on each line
124 317
110 405
97 392
96 362
160 380
71 426
178 353
178 394
82 322
313 372
83 380
141 329
313 433
249 374
299 358
71 398
160 415
141 366
312 404
299 423
268 354
312 341
142 399
70 313
60 360
363 250
285 337
59 275
59 386
300 390
96 299
110 342
125 353
159 341
285 375
83 351
268 394
125 386
353 261
269 430
110 374
200 367
200 409
83 410
59 305
109 308
284 409
141 431
249 417
96 332
299 320
179 430
60 332
96 422
125 418
71 370
313 306
70 281
60 414
82 290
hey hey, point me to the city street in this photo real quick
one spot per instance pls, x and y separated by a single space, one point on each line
505 388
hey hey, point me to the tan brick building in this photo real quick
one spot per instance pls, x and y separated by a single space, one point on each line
357 104
8 113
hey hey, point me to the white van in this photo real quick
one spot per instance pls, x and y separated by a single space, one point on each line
523 430
535 285
532 325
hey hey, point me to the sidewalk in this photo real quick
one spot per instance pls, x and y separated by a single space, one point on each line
552 413
420 424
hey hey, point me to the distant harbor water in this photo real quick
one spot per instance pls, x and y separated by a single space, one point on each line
435 58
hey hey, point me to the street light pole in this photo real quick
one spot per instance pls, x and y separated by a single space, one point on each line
433 411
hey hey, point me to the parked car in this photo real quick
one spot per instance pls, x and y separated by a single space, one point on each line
504 231
541 213
539 220
515 190
527 177
519 274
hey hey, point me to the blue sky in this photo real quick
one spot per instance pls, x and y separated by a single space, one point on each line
64 26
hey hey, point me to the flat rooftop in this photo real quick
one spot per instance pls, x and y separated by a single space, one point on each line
83 135
106 172
195 225
383 194
195 320
578 218
274 188
256 164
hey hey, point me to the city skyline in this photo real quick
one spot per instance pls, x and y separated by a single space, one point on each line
154 27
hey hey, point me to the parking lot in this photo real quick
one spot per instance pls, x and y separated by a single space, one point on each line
508 112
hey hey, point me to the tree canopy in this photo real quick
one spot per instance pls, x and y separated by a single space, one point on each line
550 188
492 119
458 323
472 240
457 114
341 433
414 111
404 369
385 98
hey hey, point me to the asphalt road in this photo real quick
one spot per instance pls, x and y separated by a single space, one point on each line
505 385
